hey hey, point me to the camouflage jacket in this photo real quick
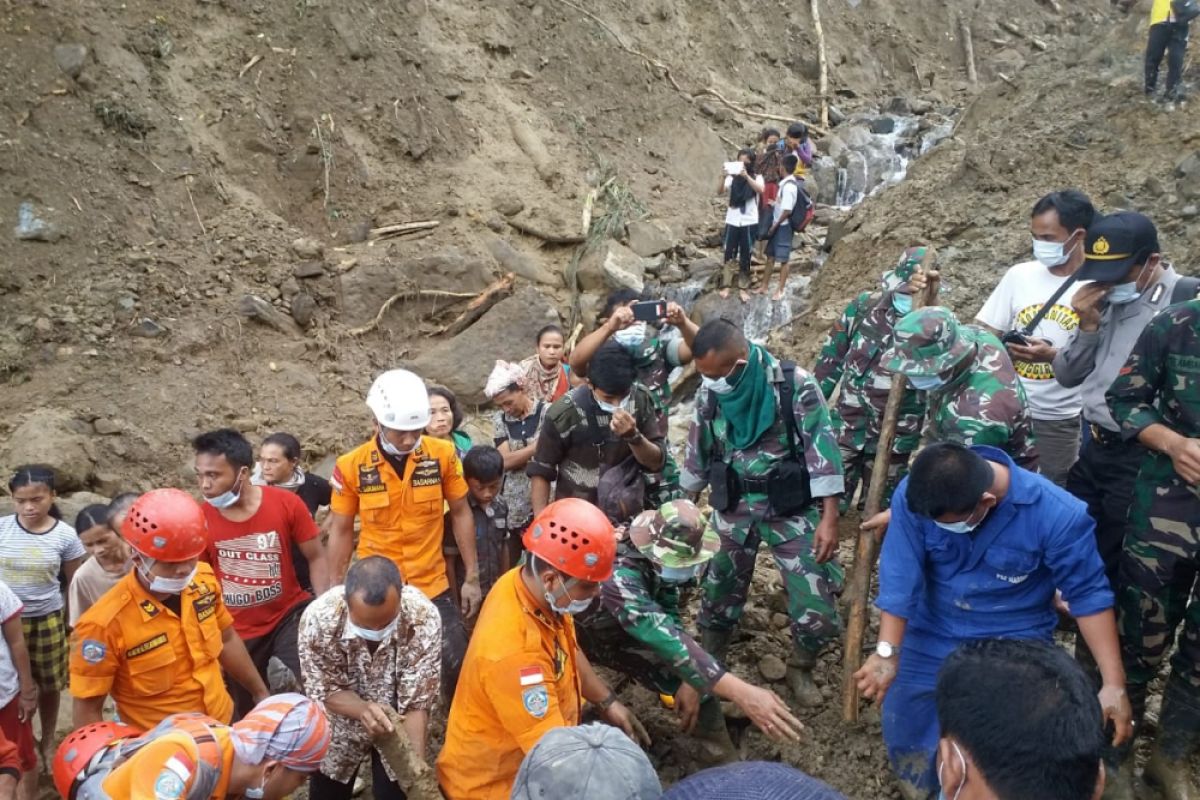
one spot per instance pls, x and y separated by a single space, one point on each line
572 453
1160 383
850 356
819 445
984 404
654 359
647 608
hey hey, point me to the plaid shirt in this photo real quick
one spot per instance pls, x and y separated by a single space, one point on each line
404 672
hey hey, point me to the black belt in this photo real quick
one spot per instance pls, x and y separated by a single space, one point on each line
1105 436
758 485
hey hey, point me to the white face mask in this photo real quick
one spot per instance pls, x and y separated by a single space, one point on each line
925 383
631 337
961 760
1124 293
162 585
678 574
226 499
392 450
962 526
371 634
722 385
573 606
255 792
1052 254
609 408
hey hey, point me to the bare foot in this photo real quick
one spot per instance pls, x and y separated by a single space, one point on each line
724 293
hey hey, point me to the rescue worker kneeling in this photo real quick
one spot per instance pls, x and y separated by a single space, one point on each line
266 755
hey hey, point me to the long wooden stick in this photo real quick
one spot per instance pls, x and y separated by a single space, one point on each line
479 306
968 49
822 63
401 228
414 775
867 545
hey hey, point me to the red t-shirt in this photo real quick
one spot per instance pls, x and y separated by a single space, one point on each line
253 560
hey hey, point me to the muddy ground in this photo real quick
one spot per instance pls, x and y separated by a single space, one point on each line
183 156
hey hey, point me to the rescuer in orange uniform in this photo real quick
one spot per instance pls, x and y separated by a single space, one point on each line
266 755
524 673
399 484
157 641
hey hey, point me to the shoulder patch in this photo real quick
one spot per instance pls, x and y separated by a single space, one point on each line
536 700
531 676
168 786
93 651
149 608
153 643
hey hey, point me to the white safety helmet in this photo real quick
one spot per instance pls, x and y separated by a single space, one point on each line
399 400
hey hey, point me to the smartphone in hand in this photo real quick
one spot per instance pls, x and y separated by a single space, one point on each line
650 310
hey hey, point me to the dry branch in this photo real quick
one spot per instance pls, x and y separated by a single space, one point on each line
249 65
479 306
397 297
1020 34
548 238
402 228
968 50
822 63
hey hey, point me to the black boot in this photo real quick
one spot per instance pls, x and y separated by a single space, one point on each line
1168 769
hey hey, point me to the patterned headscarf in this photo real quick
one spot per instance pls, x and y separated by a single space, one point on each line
288 728
504 375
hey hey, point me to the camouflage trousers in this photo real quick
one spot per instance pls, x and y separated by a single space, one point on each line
811 588
858 463
1157 587
610 645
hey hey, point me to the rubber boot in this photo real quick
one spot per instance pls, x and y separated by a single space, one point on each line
716 747
716 643
1168 769
1118 761
800 678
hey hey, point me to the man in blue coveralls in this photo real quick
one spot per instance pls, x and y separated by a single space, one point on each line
975 549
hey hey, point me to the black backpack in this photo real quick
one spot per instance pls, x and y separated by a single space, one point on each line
802 212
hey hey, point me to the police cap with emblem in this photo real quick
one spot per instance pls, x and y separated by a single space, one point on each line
1115 244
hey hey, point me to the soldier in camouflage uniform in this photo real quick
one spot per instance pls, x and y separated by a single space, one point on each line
636 629
850 357
654 356
1156 400
971 389
739 442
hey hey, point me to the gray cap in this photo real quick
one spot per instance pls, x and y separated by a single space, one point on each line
586 762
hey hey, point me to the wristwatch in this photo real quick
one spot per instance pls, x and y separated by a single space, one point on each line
885 649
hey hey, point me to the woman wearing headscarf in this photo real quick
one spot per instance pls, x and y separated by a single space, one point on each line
517 422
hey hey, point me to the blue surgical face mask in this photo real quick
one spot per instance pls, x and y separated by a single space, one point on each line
609 408
226 499
371 634
726 383
678 574
961 760
573 606
1124 293
632 337
926 383
392 450
962 526
255 792
903 303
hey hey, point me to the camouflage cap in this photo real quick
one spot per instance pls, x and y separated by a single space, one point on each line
927 342
906 267
676 535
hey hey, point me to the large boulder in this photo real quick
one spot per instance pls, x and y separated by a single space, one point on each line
1187 174
507 331
374 279
824 174
611 265
510 259
649 237
55 438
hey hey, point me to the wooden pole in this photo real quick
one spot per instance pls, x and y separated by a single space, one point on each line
968 49
822 64
415 777
865 550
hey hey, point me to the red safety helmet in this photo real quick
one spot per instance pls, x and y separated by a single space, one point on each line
166 525
574 537
80 746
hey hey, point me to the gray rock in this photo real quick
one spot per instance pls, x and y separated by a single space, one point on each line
1187 173
289 288
463 363
259 310
899 105
32 228
649 237
857 172
1190 212
147 329
346 27
824 173
882 125
304 308
512 260
704 268
309 269
509 206
611 265
672 273
52 436
307 249
107 427
836 115
71 58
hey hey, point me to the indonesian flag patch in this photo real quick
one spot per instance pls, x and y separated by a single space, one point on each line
531 676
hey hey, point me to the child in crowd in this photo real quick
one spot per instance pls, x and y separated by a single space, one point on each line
37 552
483 468
741 220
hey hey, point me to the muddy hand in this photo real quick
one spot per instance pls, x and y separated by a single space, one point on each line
687 707
375 720
875 677
620 716
1114 703
767 711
